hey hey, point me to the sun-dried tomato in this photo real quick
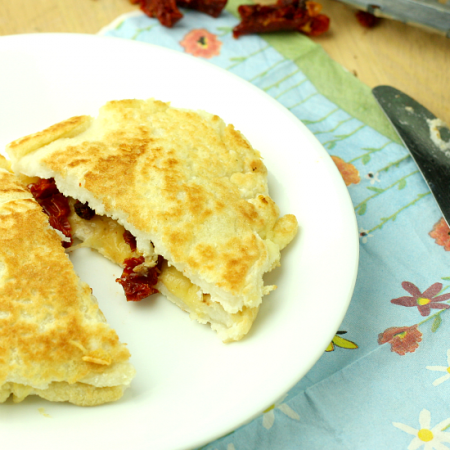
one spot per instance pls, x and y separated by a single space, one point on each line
55 205
285 15
130 240
166 11
43 188
138 285
313 8
367 19
211 7
316 26
83 210
168 14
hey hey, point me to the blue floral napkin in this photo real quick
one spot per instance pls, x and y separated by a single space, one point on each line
384 381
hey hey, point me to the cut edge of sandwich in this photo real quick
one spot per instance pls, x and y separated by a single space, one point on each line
55 341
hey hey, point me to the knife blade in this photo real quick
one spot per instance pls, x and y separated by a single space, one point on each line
432 14
425 136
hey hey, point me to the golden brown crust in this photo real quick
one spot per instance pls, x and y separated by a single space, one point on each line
4 163
79 394
66 129
190 183
51 329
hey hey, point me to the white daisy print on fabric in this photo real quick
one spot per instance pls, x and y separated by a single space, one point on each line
445 369
373 177
364 235
269 415
229 447
430 438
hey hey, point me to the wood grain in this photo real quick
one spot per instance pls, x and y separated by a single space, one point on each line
411 59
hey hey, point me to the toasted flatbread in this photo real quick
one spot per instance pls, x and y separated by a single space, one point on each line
54 340
188 187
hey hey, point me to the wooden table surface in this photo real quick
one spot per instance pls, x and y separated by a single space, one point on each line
411 59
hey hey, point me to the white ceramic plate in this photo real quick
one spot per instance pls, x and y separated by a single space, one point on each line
190 388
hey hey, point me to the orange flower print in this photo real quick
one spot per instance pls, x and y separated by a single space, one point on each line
402 339
441 234
201 43
347 170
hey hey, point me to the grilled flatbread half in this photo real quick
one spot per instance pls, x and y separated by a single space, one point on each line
54 340
187 186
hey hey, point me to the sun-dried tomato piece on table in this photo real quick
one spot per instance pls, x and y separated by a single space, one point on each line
285 15
211 7
166 11
138 281
366 19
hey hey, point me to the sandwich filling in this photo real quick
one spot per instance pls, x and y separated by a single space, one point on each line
79 226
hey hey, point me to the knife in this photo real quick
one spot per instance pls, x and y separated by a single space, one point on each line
425 136
431 14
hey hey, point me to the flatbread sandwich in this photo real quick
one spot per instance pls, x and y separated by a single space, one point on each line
54 340
176 197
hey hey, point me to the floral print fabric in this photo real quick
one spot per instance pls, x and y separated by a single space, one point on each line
384 380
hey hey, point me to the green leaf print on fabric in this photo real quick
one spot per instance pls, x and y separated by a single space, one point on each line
375 189
339 341
362 208
402 184
436 323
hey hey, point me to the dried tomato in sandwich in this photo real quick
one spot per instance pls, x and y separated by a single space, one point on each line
130 240
367 19
82 210
55 205
285 15
138 281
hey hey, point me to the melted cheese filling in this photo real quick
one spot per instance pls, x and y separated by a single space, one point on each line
103 234
106 236
180 286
